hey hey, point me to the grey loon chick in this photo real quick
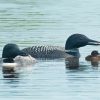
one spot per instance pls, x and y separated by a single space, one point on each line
13 56
74 42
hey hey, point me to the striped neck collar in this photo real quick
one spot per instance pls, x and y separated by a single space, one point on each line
73 52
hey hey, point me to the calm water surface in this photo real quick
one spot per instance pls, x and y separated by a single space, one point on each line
50 22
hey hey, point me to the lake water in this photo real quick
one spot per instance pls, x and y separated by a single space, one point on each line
50 22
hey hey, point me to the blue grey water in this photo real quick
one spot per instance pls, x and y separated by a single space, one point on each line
50 22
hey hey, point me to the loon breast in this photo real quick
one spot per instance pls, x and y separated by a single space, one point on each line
11 69
19 61
48 52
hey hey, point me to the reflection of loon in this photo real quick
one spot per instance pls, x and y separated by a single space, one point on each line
13 56
70 51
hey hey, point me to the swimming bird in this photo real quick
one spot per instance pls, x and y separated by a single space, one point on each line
12 56
71 49
94 58
74 42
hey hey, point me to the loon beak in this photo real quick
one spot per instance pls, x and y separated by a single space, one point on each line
93 42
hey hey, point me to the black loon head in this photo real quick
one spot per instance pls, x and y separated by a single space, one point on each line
76 41
11 51
79 40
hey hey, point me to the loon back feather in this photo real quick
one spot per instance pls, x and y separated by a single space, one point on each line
45 51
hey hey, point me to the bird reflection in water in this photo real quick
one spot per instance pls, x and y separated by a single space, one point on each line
9 72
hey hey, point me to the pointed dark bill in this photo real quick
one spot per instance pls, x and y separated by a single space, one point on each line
93 42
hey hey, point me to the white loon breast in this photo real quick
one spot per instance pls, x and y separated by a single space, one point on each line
20 61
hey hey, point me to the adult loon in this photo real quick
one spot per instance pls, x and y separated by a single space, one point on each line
13 56
70 52
74 42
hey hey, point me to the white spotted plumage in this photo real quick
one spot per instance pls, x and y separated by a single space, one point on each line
46 51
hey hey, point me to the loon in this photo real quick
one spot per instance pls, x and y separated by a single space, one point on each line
12 56
71 50
74 42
